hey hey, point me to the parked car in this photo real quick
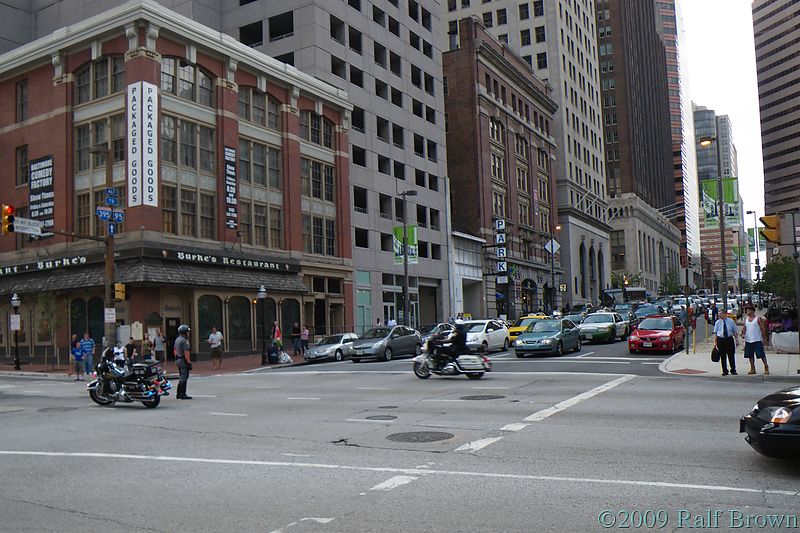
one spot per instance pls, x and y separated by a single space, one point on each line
657 333
384 343
429 330
604 327
490 334
335 347
773 426
548 336
522 324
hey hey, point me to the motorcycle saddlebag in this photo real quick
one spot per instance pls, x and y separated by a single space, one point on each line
147 369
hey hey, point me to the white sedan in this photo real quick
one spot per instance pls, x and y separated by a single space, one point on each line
491 334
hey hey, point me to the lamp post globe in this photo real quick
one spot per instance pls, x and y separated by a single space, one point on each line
262 297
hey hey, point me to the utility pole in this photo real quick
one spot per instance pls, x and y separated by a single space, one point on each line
109 332
405 256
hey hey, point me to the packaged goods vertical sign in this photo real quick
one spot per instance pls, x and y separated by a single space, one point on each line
231 210
142 144
41 194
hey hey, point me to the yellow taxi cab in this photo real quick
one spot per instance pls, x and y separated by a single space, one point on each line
522 324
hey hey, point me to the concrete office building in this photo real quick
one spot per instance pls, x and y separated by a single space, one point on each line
387 57
638 144
558 40
685 213
249 168
501 161
708 124
777 43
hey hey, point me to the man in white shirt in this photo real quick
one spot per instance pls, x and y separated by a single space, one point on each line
754 332
725 340
392 322
215 340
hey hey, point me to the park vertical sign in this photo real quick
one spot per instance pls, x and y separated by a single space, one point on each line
142 144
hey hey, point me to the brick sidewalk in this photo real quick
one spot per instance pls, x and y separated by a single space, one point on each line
230 365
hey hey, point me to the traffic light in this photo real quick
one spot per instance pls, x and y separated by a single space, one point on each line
8 219
119 291
772 228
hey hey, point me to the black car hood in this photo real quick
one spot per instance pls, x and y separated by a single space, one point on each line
784 397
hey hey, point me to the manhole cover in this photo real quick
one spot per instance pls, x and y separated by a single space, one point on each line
483 397
420 436
381 417
387 407
56 409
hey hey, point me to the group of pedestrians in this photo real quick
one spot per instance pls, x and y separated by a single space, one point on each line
726 340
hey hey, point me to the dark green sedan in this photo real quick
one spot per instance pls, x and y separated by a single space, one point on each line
552 337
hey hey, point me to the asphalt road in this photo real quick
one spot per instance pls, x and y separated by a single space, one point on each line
324 448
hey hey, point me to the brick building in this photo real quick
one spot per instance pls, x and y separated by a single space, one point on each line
501 160
244 181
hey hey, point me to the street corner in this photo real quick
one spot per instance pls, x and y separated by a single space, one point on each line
694 364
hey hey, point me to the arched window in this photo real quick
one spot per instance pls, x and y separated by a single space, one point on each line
290 313
239 319
78 320
258 107
582 266
265 319
99 78
316 128
209 311
187 81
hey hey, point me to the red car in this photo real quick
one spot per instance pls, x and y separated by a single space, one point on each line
657 333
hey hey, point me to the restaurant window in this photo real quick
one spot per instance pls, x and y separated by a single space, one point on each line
260 164
317 179
188 144
169 210
207 216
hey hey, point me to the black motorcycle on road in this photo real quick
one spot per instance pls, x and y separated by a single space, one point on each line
432 360
139 382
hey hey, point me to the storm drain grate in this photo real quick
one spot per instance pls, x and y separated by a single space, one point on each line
56 409
420 436
483 397
381 417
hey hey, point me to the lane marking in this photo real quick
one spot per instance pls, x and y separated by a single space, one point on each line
301 398
514 427
407 471
202 396
476 445
296 455
365 420
583 354
394 482
270 387
228 414
651 364
492 388
399 372
593 361
32 392
317 520
557 408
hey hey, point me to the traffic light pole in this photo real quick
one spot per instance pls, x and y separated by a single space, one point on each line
796 277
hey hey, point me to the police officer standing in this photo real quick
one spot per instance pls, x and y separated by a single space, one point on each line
182 357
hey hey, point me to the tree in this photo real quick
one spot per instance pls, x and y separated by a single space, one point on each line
778 278
619 279
50 319
671 283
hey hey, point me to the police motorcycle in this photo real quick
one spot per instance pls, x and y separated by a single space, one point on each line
124 382
471 364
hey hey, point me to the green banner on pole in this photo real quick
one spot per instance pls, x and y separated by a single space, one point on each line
762 243
411 241
730 195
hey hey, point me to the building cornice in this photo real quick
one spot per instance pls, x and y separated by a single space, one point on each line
115 21
567 211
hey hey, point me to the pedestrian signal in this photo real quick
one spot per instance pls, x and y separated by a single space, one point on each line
119 291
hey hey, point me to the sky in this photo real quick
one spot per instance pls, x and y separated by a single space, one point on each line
722 77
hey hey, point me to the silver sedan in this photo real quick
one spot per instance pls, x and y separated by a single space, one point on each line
335 347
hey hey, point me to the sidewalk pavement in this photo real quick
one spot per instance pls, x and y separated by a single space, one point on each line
698 363
230 365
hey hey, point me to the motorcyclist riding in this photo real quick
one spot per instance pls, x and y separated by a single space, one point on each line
457 345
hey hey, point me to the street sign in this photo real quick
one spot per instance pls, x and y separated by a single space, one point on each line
16 323
111 200
502 266
502 280
501 253
28 225
103 213
500 225
118 216
110 315
112 228
111 191
562 287
552 246
499 238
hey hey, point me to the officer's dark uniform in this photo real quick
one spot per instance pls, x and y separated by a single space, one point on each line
182 350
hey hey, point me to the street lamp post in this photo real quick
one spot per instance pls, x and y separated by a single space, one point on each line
108 330
405 255
705 142
758 265
262 298
553 269
15 301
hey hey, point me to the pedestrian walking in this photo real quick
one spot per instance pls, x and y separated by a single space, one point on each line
215 340
304 340
295 337
76 353
160 345
714 312
754 333
183 358
147 347
276 334
131 352
87 350
725 340
691 330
